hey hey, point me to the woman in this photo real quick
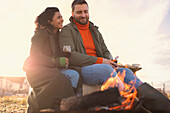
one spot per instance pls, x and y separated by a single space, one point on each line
45 66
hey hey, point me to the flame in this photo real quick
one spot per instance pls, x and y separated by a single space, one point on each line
128 92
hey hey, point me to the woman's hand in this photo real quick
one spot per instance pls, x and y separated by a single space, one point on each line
67 62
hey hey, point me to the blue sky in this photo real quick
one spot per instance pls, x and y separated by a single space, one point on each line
135 30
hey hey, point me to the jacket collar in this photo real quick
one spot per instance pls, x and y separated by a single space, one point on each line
92 29
50 31
91 25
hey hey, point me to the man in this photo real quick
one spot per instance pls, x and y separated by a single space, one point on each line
89 56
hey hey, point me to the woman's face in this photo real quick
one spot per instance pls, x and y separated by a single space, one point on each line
57 21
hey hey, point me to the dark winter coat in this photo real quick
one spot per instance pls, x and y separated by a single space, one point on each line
48 83
70 35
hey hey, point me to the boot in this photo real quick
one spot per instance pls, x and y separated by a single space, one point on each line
152 99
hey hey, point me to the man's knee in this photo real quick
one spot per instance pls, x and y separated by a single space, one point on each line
126 70
106 71
107 68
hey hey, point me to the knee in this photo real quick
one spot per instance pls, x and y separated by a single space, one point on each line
107 70
127 70
75 75
71 74
108 67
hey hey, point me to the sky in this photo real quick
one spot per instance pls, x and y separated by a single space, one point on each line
135 30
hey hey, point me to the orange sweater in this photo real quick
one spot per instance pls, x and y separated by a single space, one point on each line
88 41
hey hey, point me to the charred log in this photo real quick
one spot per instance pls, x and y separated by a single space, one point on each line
100 98
102 111
149 100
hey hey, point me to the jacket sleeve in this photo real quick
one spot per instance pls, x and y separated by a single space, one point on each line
36 56
76 58
42 60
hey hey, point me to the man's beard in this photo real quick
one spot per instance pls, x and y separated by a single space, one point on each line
78 21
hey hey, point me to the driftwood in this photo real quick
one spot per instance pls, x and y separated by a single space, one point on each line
100 98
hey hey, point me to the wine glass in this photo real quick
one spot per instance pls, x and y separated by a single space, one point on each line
66 52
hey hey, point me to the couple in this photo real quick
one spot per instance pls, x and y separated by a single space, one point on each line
89 62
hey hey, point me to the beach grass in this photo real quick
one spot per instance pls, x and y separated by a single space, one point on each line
13 104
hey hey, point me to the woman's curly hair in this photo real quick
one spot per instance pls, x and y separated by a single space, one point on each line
44 19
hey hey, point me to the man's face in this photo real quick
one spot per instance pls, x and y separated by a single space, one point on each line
81 13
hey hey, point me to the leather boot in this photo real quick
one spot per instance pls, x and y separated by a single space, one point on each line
152 99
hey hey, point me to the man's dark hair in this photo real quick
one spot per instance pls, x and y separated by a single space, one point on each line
75 2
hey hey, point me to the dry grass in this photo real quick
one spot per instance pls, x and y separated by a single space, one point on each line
13 104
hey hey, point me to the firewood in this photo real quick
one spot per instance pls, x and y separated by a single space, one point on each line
100 98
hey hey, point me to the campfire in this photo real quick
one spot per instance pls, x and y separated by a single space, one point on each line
118 97
127 92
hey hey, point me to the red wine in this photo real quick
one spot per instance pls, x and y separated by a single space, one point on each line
66 54
66 51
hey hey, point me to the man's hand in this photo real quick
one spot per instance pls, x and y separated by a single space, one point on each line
109 62
114 65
